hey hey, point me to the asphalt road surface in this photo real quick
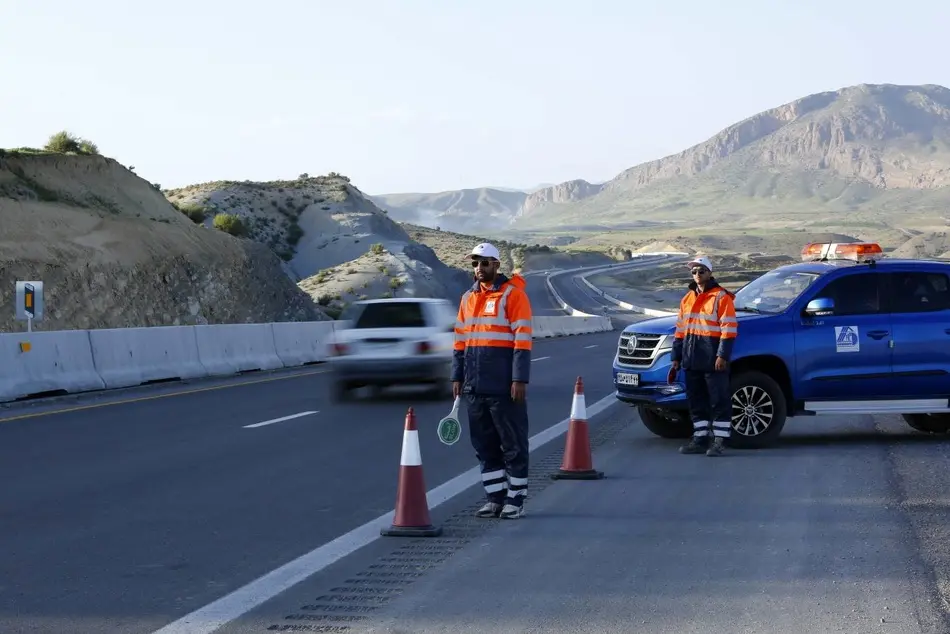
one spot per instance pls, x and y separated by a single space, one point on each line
842 528
123 513
542 302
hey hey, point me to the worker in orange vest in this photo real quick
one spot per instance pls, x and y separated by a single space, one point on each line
706 330
490 368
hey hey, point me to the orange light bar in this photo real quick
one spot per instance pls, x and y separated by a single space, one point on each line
857 251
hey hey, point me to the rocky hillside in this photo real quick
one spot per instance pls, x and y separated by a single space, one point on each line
112 252
479 210
873 149
335 242
464 210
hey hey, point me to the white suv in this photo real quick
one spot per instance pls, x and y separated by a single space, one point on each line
383 342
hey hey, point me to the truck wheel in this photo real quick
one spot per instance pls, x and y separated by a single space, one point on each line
758 410
669 426
929 423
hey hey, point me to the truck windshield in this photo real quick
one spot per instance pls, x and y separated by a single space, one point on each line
773 292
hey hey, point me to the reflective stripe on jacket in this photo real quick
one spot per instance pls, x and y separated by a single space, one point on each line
706 327
493 337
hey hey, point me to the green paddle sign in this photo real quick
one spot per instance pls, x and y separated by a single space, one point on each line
450 429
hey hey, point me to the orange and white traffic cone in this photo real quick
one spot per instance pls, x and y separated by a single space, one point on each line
577 463
412 507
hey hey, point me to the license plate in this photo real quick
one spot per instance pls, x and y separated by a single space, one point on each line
628 379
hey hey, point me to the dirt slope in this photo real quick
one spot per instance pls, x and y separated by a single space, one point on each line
112 252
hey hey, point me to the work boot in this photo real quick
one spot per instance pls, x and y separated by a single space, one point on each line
491 509
512 512
697 444
716 448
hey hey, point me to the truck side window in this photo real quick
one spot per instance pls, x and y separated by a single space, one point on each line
919 292
856 294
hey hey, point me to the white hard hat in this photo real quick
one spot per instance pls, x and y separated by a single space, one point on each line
700 261
485 250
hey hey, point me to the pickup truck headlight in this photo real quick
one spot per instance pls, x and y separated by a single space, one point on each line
666 343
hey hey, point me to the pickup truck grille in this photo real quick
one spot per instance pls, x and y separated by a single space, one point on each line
643 351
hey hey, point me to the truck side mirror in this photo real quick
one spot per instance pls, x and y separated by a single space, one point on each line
820 306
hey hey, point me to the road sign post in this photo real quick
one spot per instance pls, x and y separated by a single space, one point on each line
29 303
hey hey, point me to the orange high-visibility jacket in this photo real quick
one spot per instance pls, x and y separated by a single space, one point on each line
493 337
706 327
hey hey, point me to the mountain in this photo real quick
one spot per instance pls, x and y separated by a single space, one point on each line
484 208
872 150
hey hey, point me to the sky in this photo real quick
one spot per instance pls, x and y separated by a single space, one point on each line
434 95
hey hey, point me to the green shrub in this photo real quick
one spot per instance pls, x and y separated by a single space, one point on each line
230 223
64 142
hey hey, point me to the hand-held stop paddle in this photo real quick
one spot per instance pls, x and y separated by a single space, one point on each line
450 429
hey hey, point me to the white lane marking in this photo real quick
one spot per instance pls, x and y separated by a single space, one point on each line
591 346
279 420
221 612
539 359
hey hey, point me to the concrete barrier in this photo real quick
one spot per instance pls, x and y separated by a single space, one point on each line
652 312
74 361
302 342
545 327
235 348
125 357
41 362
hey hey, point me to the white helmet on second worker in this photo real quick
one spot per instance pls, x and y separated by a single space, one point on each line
485 250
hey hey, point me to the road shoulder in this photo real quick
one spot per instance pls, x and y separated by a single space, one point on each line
807 537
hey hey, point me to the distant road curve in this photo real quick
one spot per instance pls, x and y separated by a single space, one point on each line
583 296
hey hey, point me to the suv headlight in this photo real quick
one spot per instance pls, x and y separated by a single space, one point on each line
666 343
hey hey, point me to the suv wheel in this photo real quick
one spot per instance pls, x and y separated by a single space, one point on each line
929 423
671 425
758 410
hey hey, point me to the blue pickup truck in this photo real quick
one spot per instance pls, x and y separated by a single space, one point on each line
845 331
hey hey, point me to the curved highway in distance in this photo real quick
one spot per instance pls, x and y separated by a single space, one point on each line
581 297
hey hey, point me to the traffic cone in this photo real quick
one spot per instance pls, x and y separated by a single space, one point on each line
412 508
577 463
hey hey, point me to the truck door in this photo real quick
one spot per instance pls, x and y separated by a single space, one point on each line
919 302
845 356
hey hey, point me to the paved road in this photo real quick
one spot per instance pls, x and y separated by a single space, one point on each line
842 528
123 516
542 302
580 296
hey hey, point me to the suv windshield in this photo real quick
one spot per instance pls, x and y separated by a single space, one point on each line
773 292
391 315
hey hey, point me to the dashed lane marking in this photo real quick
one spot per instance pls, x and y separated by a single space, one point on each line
280 420
539 359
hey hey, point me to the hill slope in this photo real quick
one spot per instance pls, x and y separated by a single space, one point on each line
112 252
867 149
335 242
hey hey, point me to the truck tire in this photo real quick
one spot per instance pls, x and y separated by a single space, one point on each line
758 410
928 423
675 426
